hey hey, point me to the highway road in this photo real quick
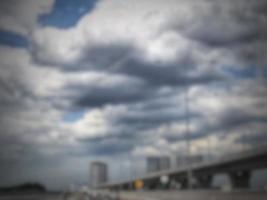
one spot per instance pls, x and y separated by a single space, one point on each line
155 195
32 197
194 195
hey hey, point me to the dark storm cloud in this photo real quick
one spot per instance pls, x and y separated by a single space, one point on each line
122 142
7 95
14 94
230 23
118 59
253 138
237 26
107 146
152 75
138 125
110 148
182 136
97 97
172 74
151 119
227 124
99 57
103 57
124 59
234 118
127 60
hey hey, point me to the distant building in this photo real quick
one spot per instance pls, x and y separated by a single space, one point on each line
183 160
157 163
98 173
152 164
164 163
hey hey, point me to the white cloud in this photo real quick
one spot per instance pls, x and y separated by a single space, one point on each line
146 151
22 16
140 25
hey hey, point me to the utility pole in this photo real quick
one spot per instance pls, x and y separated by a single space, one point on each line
188 142
209 148
132 177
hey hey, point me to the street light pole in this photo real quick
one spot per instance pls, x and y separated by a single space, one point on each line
188 142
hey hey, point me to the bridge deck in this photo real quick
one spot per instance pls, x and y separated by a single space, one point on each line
242 159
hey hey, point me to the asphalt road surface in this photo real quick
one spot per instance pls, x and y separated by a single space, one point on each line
32 197
73 196
155 195
194 195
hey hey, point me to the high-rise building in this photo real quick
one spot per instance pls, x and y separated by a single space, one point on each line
158 163
98 173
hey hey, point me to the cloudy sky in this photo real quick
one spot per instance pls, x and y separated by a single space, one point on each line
107 80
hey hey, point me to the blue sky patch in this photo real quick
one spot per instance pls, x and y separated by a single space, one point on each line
73 116
12 39
241 73
66 13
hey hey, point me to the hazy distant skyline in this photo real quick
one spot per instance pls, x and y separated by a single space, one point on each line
106 79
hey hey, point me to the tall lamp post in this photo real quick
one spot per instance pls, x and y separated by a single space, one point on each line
188 142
